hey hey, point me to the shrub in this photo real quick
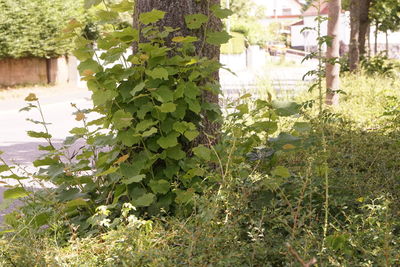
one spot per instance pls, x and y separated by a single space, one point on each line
381 65
33 28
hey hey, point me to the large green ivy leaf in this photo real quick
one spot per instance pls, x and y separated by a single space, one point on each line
134 179
123 6
221 13
100 97
14 193
202 152
89 65
175 153
150 132
163 94
144 125
158 73
121 119
168 107
127 34
194 105
286 108
138 88
180 126
160 186
151 17
266 126
191 90
83 53
168 141
218 38
191 135
195 21
128 138
144 200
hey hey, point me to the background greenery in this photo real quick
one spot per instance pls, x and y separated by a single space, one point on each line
34 27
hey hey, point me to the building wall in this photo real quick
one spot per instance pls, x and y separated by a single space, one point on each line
24 71
280 7
308 39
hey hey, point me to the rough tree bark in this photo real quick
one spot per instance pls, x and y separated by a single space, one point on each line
354 53
176 10
364 25
333 70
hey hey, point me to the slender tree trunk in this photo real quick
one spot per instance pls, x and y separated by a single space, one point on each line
387 43
333 70
364 25
376 38
176 10
369 41
354 53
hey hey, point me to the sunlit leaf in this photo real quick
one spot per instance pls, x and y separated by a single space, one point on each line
195 21
151 17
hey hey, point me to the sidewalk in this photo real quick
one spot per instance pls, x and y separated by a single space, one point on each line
56 105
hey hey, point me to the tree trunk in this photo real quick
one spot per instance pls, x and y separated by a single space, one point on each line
176 10
333 70
376 38
354 53
369 40
387 43
364 25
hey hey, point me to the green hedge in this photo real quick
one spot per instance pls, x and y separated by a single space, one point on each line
33 27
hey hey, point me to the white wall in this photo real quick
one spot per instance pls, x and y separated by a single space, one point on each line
309 38
279 5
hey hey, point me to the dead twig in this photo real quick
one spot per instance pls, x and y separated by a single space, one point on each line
299 259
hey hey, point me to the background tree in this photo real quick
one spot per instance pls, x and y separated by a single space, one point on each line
364 24
332 68
354 53
176 10
385 17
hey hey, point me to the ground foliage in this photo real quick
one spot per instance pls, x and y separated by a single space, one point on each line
287 182
257 203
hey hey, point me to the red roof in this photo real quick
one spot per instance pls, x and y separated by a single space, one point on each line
313 11
301 22
284 17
